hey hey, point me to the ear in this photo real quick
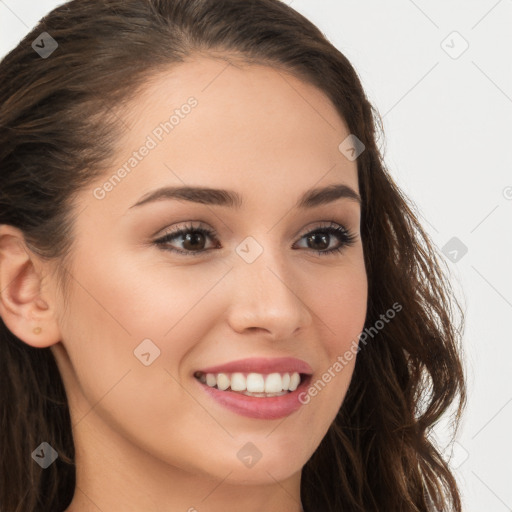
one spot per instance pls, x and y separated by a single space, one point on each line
26 310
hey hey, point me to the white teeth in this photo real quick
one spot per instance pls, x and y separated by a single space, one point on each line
253 384
211 380
222 381
294 381
238 382
273 383
264 395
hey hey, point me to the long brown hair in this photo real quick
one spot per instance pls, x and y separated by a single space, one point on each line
58 130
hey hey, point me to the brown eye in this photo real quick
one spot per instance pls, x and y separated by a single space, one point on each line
319 239
193 240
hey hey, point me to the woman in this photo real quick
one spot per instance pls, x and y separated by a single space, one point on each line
213 295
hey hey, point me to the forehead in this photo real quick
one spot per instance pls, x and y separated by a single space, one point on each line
243 100
214 124
224 79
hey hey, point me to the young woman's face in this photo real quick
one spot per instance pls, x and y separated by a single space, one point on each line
144 316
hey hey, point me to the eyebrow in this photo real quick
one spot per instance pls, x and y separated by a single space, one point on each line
221 197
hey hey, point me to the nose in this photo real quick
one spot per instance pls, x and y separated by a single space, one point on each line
267 298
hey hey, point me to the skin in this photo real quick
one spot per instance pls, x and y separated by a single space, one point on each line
148 437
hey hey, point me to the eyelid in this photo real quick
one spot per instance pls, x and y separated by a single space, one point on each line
188 224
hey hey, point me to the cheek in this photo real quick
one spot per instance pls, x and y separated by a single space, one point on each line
140 298
340 312
120 313
341 307
110 314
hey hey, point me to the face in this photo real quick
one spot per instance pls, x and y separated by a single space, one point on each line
251 279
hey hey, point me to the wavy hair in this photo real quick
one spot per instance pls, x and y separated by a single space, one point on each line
58 132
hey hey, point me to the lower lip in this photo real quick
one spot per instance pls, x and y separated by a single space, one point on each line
271 408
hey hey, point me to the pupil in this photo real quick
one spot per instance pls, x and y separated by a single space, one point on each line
192 237
324 236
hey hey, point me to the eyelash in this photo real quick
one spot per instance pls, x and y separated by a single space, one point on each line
348 238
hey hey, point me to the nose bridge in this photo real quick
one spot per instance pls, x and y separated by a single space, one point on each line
265 293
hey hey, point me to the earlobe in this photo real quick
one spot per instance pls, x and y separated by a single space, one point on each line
23 308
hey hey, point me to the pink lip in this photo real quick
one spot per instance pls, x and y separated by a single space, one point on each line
262 365
259 407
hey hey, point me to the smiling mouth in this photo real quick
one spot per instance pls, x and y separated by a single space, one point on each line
253 384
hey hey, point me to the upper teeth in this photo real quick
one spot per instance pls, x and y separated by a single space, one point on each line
252 382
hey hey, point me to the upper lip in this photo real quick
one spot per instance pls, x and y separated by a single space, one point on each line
262 365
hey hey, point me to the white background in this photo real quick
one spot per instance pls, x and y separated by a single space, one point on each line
448 134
